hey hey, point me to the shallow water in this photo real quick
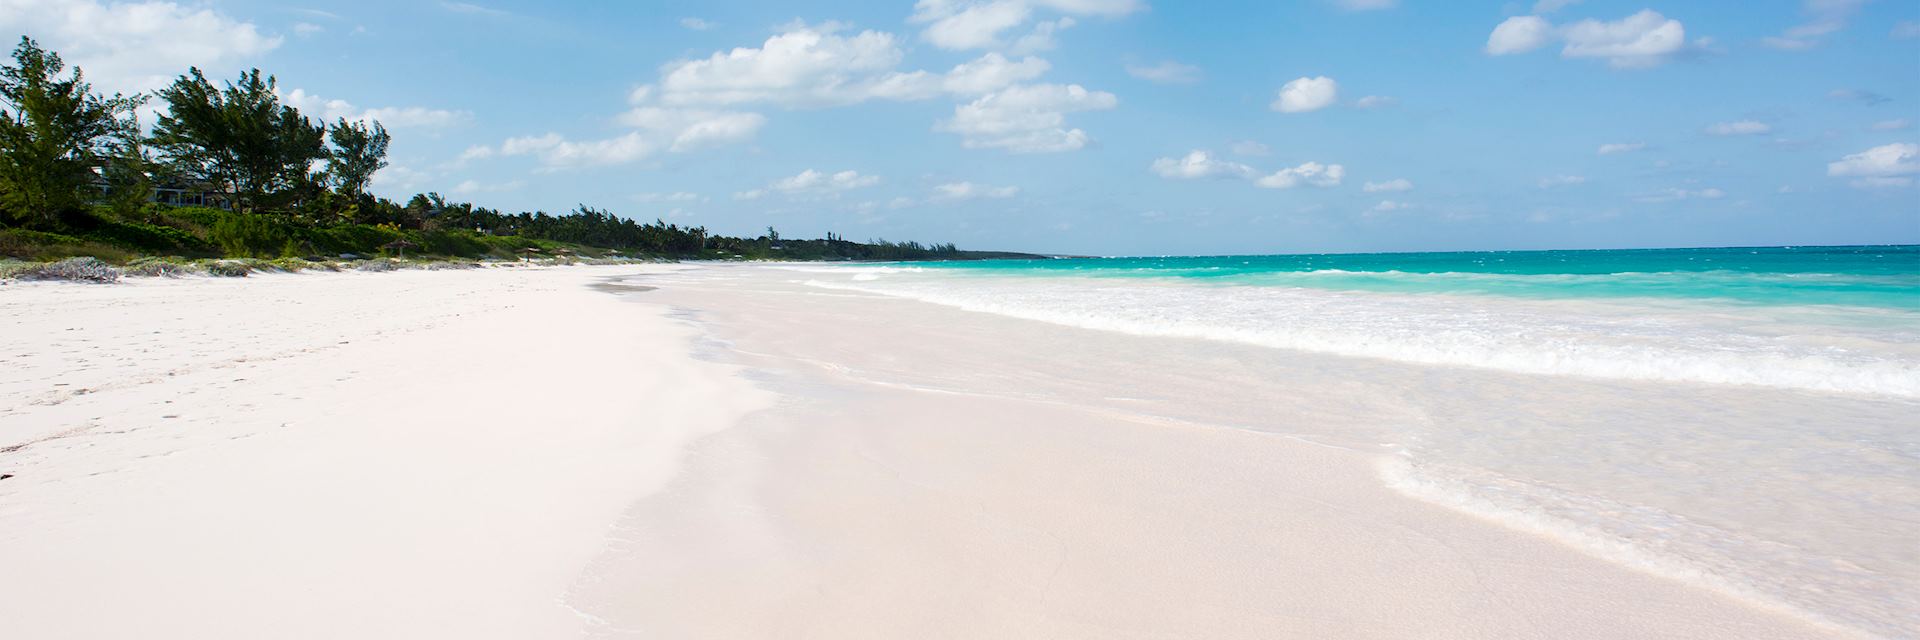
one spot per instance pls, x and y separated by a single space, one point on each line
1747 425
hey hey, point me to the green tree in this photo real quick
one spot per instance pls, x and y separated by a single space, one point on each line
240 140
358 152
54 131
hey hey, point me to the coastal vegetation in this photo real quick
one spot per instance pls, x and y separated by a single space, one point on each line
229 175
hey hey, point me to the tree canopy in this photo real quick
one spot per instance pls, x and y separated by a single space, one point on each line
54 133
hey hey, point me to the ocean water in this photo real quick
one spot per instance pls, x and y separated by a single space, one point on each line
1744 419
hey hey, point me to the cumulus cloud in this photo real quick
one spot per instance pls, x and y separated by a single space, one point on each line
1825 17
1621 147
982 24
1550 182
393 117
819 66
1389 206
802 66
1739 128
1394 185
1311 174
1889 165
557 151
1168 72
1519 34
959 191
1640 40
990 73
1200 164
689 129
811 181
1306 94
136 46
1643 39
1027 118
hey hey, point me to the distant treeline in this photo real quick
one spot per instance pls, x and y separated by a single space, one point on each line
230 170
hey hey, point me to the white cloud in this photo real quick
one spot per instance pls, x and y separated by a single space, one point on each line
802 66
393 117
307 29
467 187
1898 124
991 73
1621 147
689 129
957 191
1640 40
1906 29
1394 185
1027 118
1311 173
1042 36
1200 164
807 66
1825 18
816 66
750 194
1306 94
397 178
1643 39
1168 72
1519 34
811 181
1550 182
696 24
1366 5
1888 165
1375 102
1739 128
1250 148
979 24
136 46
1389 206
556 151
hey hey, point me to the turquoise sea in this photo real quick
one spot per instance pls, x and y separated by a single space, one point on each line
1870 276
1745 419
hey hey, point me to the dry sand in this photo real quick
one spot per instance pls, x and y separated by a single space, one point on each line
515 454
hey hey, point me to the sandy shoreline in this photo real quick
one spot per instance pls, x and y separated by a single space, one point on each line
363 455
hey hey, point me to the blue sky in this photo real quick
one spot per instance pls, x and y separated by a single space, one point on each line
1103 126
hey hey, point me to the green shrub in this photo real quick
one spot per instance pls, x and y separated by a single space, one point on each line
228 268
148 238
76 270
47 247
251 236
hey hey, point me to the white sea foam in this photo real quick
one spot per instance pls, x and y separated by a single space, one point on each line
1816 349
